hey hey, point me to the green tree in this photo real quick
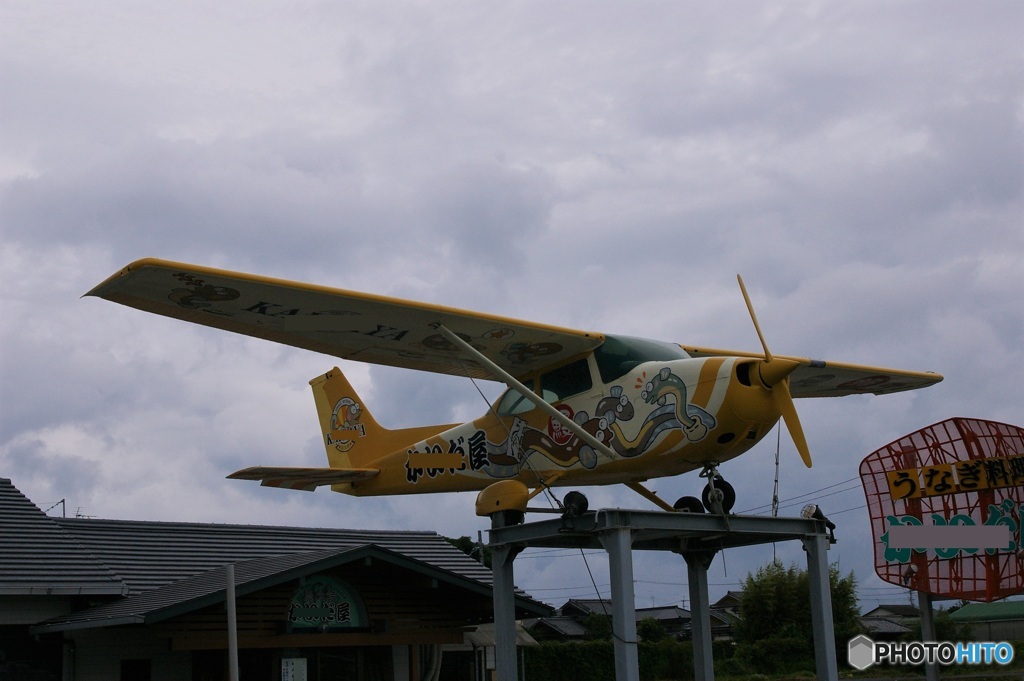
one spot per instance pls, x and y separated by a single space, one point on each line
471 549
651 630
599 627
775 617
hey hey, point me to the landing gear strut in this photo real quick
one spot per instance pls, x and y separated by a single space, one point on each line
718 496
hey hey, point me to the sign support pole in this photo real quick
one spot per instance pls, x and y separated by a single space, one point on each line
924 602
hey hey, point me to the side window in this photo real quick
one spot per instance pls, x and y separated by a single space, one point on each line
566 381
513 402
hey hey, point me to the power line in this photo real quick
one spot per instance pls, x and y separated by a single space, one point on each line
802 496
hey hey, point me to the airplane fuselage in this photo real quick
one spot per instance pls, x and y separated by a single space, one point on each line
658 418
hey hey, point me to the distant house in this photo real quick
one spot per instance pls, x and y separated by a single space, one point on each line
723 625
569 622
907 615
1000 621
556 628
582 608
729 603
890 622
883 628
672 618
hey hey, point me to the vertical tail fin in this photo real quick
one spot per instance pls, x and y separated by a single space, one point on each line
352 437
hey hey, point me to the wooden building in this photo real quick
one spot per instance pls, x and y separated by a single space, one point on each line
84 599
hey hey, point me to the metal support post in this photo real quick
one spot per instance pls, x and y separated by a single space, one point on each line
229 597
924 602
619 545
505 658
821 607
697 564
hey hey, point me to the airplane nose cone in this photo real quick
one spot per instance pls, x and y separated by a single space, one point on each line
775 370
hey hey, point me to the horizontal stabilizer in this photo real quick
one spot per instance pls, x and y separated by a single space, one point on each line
306 479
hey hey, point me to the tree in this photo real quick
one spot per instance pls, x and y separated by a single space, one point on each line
471 549
775 617
599 627
651 630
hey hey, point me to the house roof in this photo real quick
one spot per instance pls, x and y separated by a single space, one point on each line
662 613
39 557
588 606
883 625
900 610
168 568
731 599
147 554
987 612
569 627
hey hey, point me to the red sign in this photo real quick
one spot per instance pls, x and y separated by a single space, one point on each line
959 472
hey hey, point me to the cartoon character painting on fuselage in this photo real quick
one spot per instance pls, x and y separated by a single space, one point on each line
515 435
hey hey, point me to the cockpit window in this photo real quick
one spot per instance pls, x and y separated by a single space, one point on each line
556 385
618 354
566 381
513 402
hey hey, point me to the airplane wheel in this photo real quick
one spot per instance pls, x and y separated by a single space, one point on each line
688 505
724 490
575 504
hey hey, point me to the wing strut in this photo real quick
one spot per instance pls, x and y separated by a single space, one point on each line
511 382
651 497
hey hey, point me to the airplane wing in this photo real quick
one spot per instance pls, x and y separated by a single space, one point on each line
345 324
818 378
306 479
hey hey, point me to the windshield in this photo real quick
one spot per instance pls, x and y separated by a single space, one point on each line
618 354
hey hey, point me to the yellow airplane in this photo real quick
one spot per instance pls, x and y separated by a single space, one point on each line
581 408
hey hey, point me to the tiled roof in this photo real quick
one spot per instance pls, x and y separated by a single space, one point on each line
150 554
165 566
883 625
39 557
568 627
900 610
588 606
664 612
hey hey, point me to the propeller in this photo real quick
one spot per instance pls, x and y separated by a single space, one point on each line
774 374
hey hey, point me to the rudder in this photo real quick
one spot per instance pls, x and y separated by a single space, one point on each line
352 437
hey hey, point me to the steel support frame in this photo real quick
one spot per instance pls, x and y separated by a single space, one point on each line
619 545
697 537
821 607
697 564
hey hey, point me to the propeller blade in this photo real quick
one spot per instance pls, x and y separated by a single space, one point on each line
774 374
753 318
784 403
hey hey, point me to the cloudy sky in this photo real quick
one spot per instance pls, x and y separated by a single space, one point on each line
608 166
